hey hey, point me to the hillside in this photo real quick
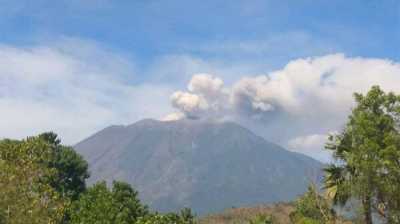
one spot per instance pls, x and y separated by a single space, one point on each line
207 166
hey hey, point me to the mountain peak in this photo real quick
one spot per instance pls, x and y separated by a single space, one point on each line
203 164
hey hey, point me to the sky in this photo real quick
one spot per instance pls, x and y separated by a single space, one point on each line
284 69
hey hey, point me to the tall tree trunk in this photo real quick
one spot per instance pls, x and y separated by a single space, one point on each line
367 209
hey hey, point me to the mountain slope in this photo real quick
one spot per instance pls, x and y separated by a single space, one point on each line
205 165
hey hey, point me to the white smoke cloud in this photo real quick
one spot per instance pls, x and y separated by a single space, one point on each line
303 86
192 105
260 94
307 96
205 97
206 85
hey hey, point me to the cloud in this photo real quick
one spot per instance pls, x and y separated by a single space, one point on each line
73 88
307 96
206 85
206 97
312 145
191 105
76 87
260 94
320 84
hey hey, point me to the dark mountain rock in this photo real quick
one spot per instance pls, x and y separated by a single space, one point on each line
205 165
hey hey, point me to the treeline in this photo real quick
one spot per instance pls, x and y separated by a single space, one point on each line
42 181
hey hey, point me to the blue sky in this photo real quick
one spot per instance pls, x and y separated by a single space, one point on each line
148 29
285 69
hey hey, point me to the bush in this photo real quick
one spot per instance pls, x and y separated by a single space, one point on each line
185 217
262 219
312 208
119 205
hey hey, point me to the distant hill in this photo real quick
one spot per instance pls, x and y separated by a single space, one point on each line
205 165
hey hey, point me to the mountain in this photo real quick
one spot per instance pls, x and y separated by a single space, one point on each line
205 165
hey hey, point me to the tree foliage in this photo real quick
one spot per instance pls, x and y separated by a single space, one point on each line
98 204
25 193
187 216
72 169
313 208
120 205
262 219
368 156
43 181
184 217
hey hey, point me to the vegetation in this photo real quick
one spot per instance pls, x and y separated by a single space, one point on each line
262 219
42 181
184 217
313 208
72 169
118 205
368 157
25 193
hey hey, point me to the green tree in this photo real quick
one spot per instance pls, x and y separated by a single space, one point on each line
94 206
159 219
170 218
368 156
25 193
72 169
98 204
127 202
262 219
313 208
187 216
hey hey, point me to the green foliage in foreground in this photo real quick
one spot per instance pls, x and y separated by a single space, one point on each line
72 169
368 157
25 193
98 204
312 208
262 219
42 181
185 217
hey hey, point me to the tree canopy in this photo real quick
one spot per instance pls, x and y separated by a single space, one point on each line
72 169
98 204
43 181
367 156
25 193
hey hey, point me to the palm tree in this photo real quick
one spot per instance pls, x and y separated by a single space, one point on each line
337 184
342 180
